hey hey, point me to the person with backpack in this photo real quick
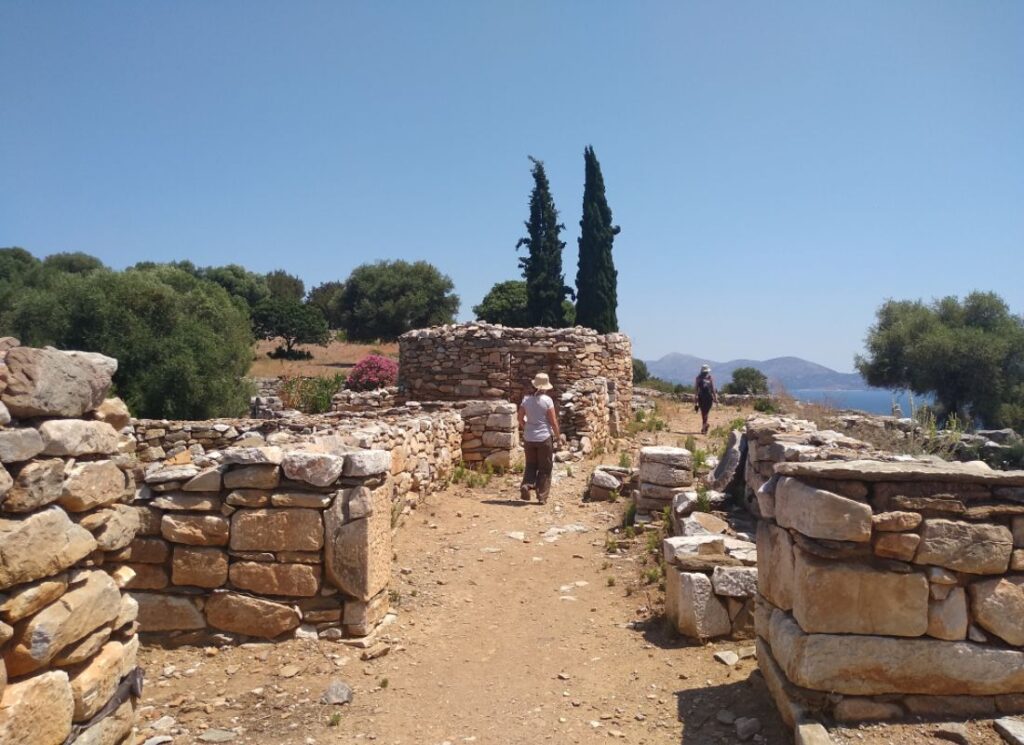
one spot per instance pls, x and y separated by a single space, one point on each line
704 385
538 421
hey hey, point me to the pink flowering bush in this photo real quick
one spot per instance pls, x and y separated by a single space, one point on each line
372 372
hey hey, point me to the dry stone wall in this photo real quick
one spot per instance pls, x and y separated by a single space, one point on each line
891 590
484 361
67 631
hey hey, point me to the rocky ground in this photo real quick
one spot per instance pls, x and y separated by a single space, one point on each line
514 624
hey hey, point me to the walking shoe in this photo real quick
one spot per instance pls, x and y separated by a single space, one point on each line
524 492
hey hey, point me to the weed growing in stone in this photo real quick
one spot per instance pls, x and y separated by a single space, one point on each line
625 460
703 500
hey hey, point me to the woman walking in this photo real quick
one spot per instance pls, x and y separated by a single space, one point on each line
538 421
706 395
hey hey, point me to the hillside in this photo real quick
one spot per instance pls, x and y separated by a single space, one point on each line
792 372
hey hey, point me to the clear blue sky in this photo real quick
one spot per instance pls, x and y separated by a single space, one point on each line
778 169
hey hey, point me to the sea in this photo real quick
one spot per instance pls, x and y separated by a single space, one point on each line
871 400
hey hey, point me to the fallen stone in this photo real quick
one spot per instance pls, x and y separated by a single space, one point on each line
727 658
21 560
242 614
77 437
217 735
811 733
37 710
821 514
954 732
965 547
48 382
337 693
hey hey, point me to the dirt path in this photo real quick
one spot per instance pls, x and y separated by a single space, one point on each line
514 625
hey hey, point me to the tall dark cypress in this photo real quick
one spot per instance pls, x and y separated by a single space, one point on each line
596 279
542 266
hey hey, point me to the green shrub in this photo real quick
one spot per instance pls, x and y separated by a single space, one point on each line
310 395
765 406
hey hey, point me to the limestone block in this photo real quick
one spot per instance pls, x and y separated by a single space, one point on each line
207 480
37 710
47 382
251 456
36 485
195 530
735 582
965 547
114 412
113 528
94 683
158 612
493 439
775 575
293 580
367 463
501 422
21 559
318 469
998 607
692 607
25 600
357 556
252 477
835 597
895 522
899 546
947 618
199 566
821 514
676 547
277 530
76 613
875 665
77 437
662 474
17 445
242 614
680 458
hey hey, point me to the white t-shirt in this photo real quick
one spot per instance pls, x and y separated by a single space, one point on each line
538 428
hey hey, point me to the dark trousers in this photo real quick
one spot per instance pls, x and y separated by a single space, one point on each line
539 458
705 409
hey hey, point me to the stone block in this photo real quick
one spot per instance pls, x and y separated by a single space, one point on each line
896 522
25 600
842 598
965 547
48 382
317 469
875 665
77 437
147 577
241 614
499 439
692 607
676 457
93 684
193 502
252 477
35 485
91 485
83 649
775 575
308 500
357 556
662 474
158 612
821 514
113 528
199 566
195 530
947 618
114 412
277 530
853 709
18 445
252 456
735 582
92 603
113 729
293 580
21 559
998 607
899 546
37 710
207 480
367 463
144 551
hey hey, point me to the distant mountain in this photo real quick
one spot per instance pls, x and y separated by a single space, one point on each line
792 372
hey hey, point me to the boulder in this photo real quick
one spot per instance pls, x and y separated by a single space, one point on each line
78 612
37 710
947 618
264 578
114 412
91 485
691 605
195 530
965 547
277 530
241 614
77 437
158 612
318 469
36 484
19 445
821 514
846 598
357 555
998 607
199 566
22 560
47 382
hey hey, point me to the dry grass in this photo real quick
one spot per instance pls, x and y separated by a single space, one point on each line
336 357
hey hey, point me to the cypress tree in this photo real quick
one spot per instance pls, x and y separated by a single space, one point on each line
596 278
542 266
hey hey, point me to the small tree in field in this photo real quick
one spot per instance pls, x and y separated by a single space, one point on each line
747 380
292 322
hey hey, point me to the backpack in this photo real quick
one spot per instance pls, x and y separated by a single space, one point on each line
705 388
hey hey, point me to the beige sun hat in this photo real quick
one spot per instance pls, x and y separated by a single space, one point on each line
541 382
705 368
